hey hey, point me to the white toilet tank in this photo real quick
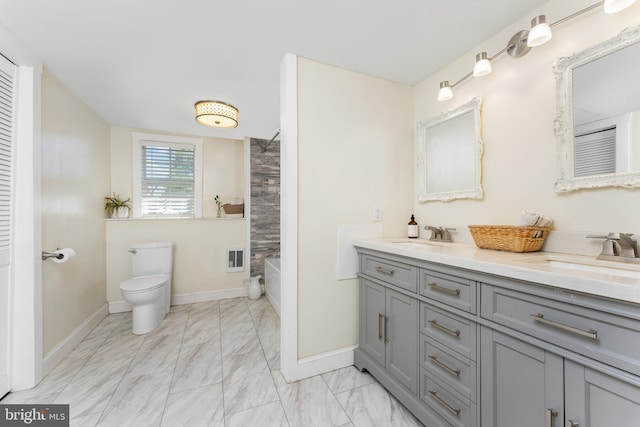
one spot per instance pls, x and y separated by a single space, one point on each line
151 258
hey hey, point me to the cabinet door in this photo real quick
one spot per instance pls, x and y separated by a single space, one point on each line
521 385
372 312
595 399
402 338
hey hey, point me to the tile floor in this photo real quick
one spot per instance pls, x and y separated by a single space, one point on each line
208 364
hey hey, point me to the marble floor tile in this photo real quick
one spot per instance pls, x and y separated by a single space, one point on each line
372 405
90 420
244 365
89 391
122 345
271 415
310 402
346 378
242 393
239 338
198 407
270 342
138 401
156 354
202 326
198 365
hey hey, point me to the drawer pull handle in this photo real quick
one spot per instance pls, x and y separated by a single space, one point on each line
550 418
380 326
435 287
591 333
384 271
434 395
435 324
571 423
454 372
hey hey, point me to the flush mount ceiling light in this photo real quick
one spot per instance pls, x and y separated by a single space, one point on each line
216 114
522 42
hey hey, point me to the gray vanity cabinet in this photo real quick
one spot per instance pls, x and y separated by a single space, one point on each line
522 385
389 332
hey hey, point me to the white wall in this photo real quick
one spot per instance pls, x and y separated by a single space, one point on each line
75 178
519 107
354 152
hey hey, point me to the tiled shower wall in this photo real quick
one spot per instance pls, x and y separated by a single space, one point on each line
265 203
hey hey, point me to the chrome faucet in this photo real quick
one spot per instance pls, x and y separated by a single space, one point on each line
441 234
618 247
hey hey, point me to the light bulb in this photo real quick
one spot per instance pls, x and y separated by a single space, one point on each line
482 66
445 93
540 32
615 6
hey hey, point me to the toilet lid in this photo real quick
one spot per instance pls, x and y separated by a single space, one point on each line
145 283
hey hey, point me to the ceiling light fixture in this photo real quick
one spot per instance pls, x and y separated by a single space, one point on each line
482 66
522 42
540 32
216 114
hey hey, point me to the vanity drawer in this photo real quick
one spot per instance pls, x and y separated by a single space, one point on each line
606 337
452 369
451 290
458 411
453 331
402 275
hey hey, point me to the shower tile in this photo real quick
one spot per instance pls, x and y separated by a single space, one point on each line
198 365
271 415
198 407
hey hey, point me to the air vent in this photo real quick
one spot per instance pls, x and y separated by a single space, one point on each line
235 260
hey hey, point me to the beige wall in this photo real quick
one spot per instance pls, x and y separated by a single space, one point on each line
222 159
354 152
199 262
520 147
75 178
200 253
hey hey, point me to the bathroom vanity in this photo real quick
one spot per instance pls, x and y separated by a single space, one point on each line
470 337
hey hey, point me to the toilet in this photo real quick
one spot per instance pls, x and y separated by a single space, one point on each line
149 289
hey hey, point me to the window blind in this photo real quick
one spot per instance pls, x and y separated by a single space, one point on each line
168 181
7 71
595 153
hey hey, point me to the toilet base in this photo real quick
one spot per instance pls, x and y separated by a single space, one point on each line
147 317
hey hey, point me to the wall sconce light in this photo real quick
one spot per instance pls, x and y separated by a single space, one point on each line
216 114
540 32
445 93
522 42
482 66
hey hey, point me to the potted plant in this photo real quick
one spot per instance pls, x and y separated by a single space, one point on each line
219 204
117 207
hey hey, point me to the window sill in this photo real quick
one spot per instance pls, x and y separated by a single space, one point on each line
208 218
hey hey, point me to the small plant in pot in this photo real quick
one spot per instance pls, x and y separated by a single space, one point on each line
117 207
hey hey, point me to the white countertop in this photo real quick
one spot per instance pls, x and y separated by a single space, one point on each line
522 266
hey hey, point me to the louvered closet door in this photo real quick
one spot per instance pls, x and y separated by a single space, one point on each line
7 76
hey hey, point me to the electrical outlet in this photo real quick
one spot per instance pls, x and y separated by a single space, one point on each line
377 214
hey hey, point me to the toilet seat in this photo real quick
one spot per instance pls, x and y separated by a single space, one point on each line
143 283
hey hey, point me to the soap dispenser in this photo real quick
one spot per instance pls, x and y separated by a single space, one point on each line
412 228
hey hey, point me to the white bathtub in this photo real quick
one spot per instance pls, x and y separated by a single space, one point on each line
272 282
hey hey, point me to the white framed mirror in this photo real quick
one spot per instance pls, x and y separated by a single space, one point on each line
450 155
597 122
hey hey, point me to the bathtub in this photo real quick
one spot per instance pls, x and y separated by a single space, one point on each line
272 282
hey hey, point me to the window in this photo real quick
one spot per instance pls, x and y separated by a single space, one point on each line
167 176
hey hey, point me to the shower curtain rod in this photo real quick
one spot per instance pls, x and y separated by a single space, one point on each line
272 139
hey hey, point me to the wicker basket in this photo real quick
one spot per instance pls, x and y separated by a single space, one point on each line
230 209
509 237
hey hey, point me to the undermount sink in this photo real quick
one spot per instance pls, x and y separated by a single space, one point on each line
589 265
414 244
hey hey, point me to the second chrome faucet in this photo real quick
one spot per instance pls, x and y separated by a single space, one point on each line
441 234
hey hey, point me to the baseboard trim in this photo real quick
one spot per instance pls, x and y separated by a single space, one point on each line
64 347
323 363
121 306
